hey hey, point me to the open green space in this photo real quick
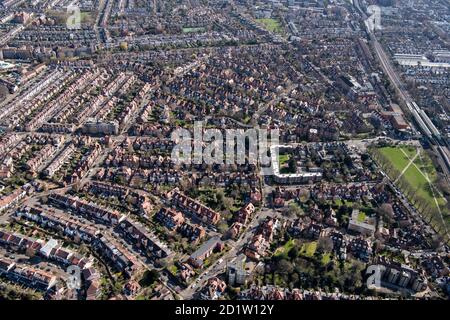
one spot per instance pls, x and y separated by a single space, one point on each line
193 30
283 250
173 269
271 25
283 159
361 216
326 258
308 249
396 157
414 181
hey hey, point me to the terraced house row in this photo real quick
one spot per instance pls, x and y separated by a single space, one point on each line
193 207
27 276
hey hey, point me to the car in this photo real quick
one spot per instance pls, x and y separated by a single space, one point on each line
220 261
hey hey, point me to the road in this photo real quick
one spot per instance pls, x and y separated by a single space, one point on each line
237 246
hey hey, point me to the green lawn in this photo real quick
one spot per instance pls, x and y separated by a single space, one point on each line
283 159
285 248
283 163
173 269
396 156
341 203
271 25
193 30
308 249
361 217
247 119
326 258
415 178
424 163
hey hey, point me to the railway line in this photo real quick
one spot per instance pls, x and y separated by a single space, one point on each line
432 134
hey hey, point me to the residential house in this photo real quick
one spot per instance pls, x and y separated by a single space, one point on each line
206 249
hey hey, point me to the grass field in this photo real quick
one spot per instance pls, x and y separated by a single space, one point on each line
308 249
418 177
397 158
173 269
361 216
283 159
326 258
271 25
285 248
192 30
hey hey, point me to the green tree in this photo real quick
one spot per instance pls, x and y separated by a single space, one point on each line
285 267
148 278
292 165
293 253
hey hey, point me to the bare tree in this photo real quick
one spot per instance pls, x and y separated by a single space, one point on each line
387 212
325 244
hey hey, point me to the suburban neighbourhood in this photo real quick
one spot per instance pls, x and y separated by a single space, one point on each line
349 198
